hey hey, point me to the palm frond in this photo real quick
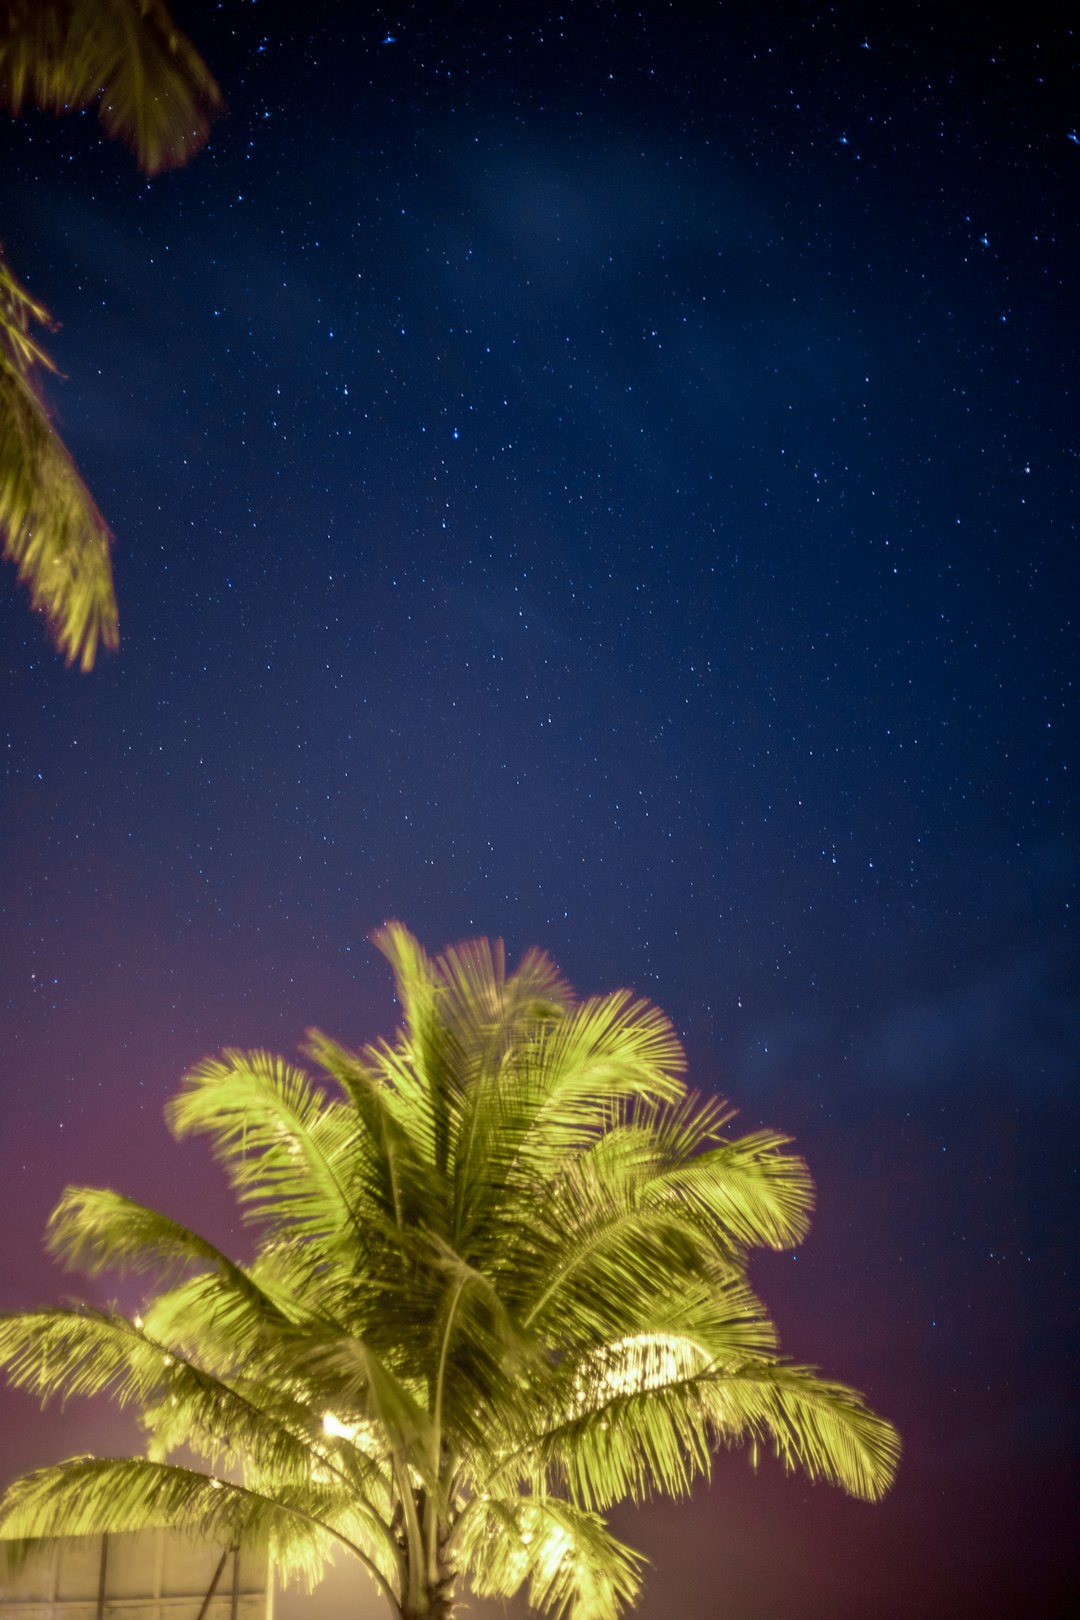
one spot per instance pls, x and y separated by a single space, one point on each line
222 1316
748 1190
282 1143
481 1358
635 1422
393 1172
572 1564
105 1495
429 1067
814 1425
50 526
93 1229
575 1075
658 1434
615 1045
599 1253
155 92
494 1016
352 1378
60 1353
486 1006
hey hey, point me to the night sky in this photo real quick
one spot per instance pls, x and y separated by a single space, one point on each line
605 479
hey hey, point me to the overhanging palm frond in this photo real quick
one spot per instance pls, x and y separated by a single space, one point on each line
50 526
155 92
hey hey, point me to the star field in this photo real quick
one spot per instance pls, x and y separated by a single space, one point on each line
605 479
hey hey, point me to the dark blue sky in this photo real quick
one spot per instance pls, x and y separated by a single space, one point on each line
606 479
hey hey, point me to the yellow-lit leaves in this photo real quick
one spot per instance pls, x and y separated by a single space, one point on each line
284 1144
89 1495
569 1559
50 526
155 92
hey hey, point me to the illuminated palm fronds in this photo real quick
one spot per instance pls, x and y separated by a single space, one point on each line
50 526
499 1285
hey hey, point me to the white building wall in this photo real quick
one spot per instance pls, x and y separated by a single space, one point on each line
158 1575
151 1575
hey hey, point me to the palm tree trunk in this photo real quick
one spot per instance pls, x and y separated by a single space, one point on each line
436 1598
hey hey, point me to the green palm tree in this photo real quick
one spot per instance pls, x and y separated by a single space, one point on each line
156 94
499 1285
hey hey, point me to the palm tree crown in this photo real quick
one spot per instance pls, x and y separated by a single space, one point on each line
499 1285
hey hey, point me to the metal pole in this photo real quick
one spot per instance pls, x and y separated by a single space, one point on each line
212 1588
235 1583
102 1569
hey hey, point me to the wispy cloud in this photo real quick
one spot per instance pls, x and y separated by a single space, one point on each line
1020 1019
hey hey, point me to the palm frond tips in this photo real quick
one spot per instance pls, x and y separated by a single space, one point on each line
155 92
821 1428
93 1229
50 526
284 1145
748 1189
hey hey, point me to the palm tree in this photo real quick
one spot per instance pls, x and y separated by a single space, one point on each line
156 94
499 1285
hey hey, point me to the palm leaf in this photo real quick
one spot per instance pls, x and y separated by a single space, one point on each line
352 1378
659 1435
50 526
821 1428
93 1229
429 1067
60 1353
571 1562
575 1074
747 1190
392 1173
282 1144
155 92
102 1495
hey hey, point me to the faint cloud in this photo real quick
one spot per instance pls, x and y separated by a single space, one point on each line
1022 1020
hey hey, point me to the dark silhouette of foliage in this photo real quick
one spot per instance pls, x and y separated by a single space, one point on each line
155 94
